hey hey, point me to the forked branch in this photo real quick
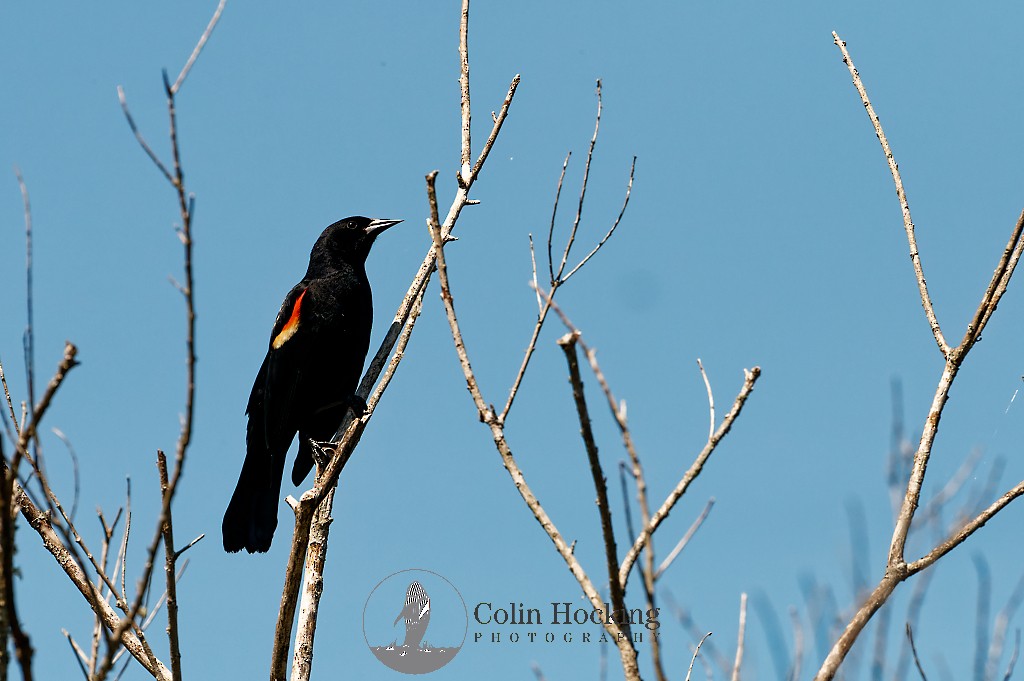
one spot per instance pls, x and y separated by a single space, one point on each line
897 567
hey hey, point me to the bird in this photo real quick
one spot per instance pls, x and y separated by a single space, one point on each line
308 378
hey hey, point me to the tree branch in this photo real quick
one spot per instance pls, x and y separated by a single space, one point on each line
908 223
618 601
750 379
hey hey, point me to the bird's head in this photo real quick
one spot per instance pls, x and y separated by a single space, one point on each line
346 241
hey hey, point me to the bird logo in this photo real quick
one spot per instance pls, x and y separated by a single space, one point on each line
308 378
416 614
435 626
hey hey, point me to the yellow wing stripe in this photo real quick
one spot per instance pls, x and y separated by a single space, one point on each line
291 326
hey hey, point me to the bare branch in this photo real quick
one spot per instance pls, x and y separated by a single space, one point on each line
29 339
913 649
750 379
908 223
686 538
177 554
611 230
313 585
740 638
897 570
966 531
625 499
79 654
487 415
465 172
74 469
1002 622
170 558
499 120
996 288
711 397
554 212
694 658
39 522
556 278
533 265
10 403
798 645
617 595
198 48
1013 657
583 190
138 136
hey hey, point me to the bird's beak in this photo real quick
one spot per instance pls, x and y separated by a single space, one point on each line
377 226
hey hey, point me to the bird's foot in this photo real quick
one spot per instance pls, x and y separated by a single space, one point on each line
322 453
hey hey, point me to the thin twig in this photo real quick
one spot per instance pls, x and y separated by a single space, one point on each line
913 649
29 340
686 538
1002 622
583 191
625 499
711 397
74 469
79 654
467 150
694 658
798 645
533 266
10 402
996 288
39 521
554 212
138 136
964 532
611 230
1013 656
556 278
198 48
740 638
749 380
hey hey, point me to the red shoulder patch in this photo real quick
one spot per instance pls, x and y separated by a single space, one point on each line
292 325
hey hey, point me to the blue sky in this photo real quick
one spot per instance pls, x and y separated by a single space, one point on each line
763 229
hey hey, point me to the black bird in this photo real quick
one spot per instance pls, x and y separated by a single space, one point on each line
308 378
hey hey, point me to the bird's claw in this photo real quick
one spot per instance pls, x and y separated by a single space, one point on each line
322 453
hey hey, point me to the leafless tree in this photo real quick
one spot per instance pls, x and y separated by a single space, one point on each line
898 568
122 616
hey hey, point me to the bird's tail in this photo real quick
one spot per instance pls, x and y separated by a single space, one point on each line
251 518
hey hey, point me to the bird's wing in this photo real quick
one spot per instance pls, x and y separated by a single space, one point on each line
282 374
289 318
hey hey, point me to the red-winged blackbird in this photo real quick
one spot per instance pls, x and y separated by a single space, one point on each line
308 378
